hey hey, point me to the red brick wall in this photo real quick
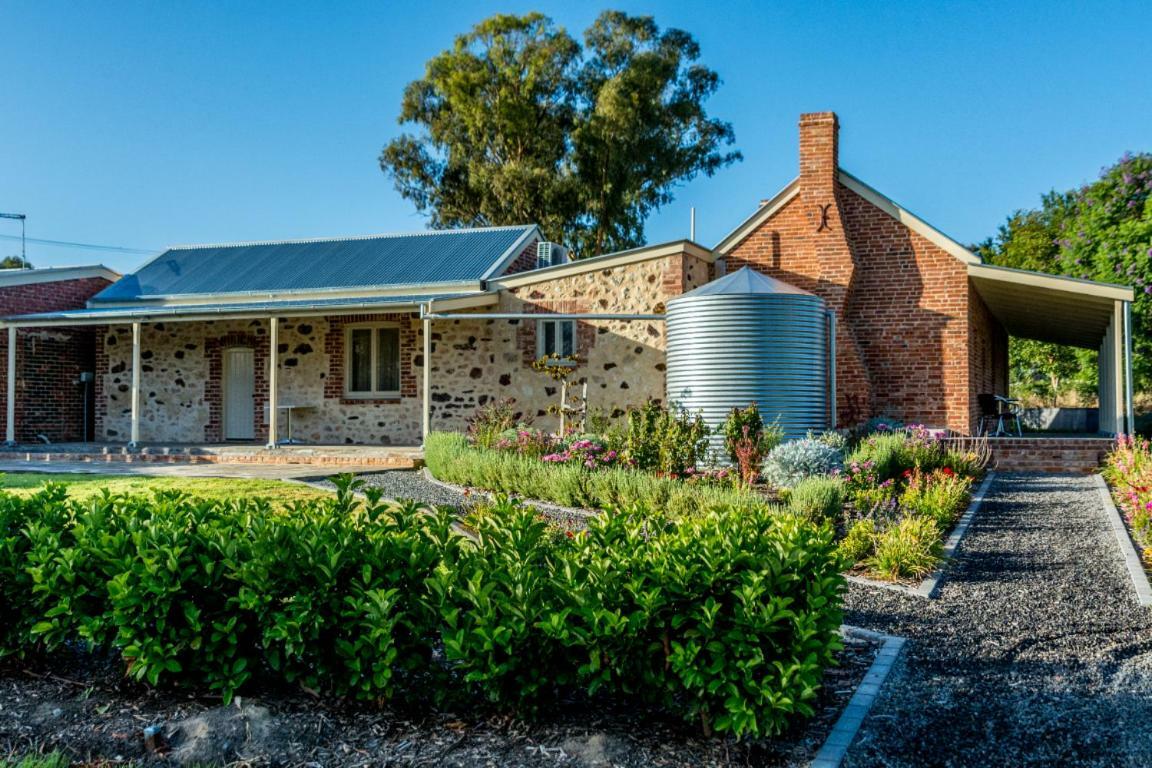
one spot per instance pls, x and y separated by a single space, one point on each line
987 354
909 310
525 261
904 345
49 397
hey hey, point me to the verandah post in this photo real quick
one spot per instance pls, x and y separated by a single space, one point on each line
426 385
135 438
273 370
10 426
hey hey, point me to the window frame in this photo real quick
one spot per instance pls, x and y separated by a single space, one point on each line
373 362
540 335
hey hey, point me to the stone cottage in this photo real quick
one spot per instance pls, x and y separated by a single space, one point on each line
377 339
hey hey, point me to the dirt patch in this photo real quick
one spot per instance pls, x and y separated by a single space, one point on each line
84 708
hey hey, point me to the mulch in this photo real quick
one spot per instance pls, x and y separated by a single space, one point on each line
83 707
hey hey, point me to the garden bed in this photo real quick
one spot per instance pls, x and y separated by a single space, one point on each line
891 493
355 598
1128 472
85 709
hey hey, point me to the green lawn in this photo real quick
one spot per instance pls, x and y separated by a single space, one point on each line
82 486
54 760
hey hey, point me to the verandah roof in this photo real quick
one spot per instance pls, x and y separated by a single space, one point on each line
221 311
1061 310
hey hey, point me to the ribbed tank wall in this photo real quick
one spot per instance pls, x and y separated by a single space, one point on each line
726 351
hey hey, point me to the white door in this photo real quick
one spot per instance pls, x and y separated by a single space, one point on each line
239 388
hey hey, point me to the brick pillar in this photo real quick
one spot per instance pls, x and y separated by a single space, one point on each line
820 198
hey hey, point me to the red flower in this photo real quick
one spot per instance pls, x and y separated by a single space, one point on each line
948 471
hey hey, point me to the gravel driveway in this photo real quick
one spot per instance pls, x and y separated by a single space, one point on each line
1035 653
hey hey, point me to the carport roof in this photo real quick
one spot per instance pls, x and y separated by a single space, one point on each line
1061 310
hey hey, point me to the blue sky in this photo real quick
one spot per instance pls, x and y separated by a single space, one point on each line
148 124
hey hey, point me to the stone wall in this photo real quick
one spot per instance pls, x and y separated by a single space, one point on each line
623 362
473 363
181 398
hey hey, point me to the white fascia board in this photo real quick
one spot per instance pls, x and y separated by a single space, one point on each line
158 315
1075 285
465 302
908 219
11 277
762 214
513 251
607 261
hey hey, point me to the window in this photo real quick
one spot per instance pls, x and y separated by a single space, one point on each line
372 361
556 337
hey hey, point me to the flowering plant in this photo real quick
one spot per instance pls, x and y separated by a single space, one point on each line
526 441
1128 468
588 453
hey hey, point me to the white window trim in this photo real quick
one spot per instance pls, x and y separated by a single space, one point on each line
541 352
390 394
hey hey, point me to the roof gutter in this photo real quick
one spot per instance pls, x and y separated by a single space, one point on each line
208 314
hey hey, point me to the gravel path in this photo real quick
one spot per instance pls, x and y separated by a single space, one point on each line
411 484
404 484
1035 653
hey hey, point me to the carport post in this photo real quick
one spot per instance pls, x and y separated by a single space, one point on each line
10 425
135 439
1129 412
273 370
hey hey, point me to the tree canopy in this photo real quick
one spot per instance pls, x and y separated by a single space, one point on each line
1101 231
520 123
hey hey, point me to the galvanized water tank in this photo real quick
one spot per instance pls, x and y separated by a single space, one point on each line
749 337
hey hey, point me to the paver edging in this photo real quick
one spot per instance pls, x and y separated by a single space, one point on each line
927 588
1128 551
843 733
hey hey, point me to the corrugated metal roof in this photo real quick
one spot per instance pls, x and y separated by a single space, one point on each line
301 265
263 308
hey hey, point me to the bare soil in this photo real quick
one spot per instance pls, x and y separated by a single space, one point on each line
83 707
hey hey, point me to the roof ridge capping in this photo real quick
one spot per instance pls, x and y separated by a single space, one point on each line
351 238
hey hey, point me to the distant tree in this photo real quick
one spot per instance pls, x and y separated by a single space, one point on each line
519 123
13 262
1100 231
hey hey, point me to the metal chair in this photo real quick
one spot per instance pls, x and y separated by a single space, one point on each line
1000 411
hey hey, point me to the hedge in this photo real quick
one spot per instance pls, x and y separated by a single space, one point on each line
727 617
449 458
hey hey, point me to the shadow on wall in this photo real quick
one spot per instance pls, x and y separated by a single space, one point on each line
905 310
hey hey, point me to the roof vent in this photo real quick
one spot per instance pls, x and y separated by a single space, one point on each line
550 254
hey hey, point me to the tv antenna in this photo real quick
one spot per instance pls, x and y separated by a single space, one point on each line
23 248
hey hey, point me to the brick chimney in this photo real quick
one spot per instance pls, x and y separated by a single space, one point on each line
819 153
820 198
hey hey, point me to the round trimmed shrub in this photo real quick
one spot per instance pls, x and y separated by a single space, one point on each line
789 464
